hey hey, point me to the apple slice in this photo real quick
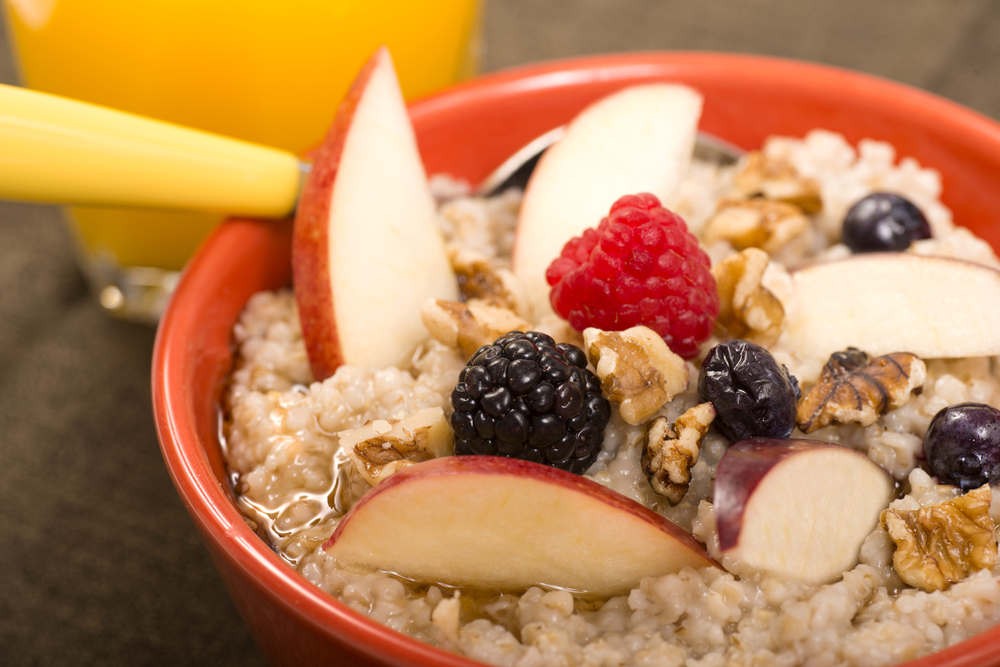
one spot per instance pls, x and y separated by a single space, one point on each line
492 523
933 307
639 139
797 508
366 250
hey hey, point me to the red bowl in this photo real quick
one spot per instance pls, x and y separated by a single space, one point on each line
467 131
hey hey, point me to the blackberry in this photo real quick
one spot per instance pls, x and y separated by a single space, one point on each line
527 398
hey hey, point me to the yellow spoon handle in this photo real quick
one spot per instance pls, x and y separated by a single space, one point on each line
60 151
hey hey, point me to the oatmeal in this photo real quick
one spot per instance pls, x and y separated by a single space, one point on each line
295 479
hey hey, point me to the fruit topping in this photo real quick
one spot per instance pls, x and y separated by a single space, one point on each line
933 307
962 445
494 524
468 326
636 369
853 387
747 309
640 266
765 176
756 223
367 252
384 446
525 397
638 139
944 543
797 508
669 453
883 221
752 394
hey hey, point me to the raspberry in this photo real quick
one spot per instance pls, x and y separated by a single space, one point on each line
640 266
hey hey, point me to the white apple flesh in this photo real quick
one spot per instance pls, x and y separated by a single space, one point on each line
366 249
933 307
637 140
493 523
797 508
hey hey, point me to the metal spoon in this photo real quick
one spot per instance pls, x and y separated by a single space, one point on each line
517 169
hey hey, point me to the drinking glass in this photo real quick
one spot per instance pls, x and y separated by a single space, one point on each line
267 71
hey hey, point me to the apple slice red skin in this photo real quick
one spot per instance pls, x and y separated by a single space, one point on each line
494 465
498 465
754 458
310 270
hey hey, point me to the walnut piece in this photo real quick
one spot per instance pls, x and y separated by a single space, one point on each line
853 387
756 223
636 368
775 178
670 453
944 543
468 326
479 278
747 309
383 446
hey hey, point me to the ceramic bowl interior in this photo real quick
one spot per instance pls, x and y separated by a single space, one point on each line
467 131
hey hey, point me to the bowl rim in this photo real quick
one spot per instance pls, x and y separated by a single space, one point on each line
175 350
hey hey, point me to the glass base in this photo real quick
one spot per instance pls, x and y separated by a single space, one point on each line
134 293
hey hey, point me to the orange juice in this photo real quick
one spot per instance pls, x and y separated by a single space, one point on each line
267 71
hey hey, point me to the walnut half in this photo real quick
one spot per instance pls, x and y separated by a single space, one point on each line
774 178
747 309
479 278
636 368
468 326
853 387
942 544
384 446
756 223
670 453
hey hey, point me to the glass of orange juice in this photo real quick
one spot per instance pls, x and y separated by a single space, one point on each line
262 70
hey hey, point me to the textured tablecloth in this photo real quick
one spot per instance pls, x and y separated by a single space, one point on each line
99 563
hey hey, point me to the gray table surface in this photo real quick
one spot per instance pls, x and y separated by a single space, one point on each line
99 563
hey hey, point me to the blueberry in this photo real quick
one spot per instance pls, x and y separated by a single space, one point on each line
884 221
753 395
962 445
